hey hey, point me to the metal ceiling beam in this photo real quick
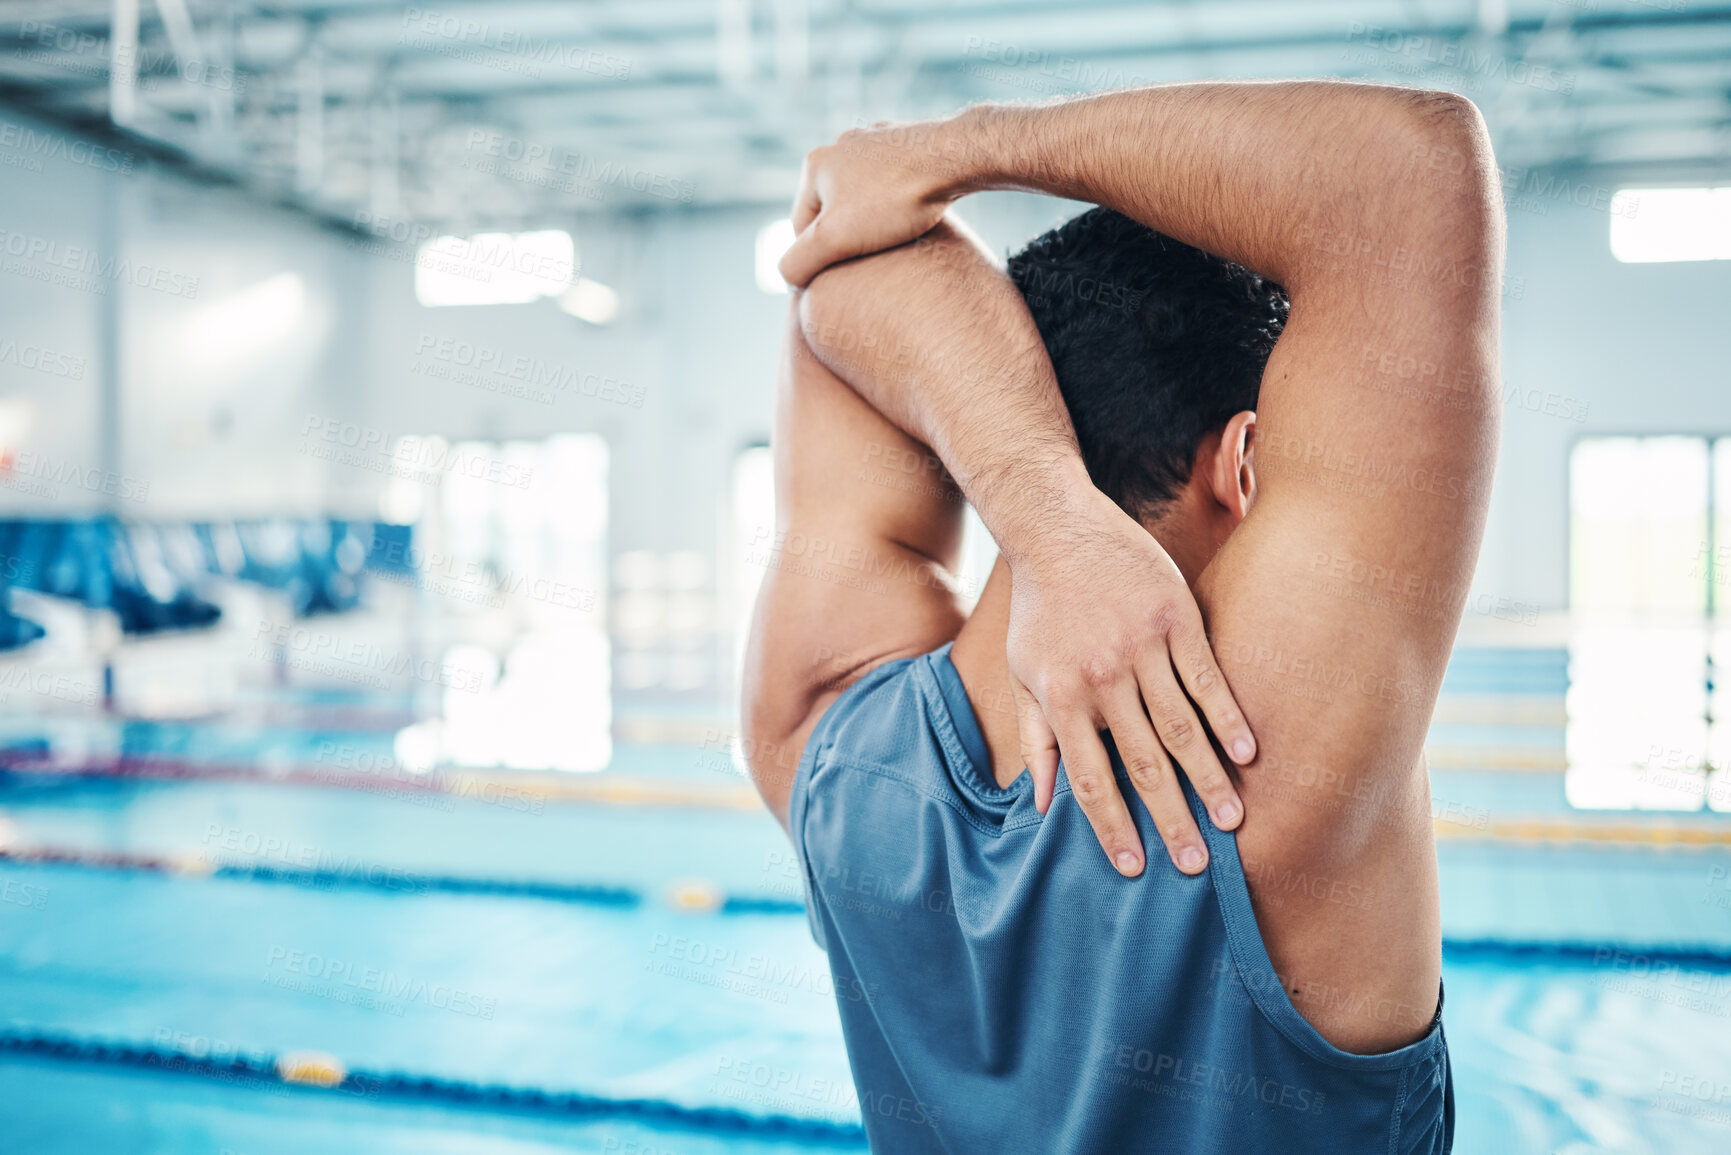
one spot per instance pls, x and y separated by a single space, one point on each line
1667 71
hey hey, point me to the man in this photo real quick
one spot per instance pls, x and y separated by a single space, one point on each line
1276 985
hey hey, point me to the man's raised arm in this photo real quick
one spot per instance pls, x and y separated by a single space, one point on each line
1334 605
1284 177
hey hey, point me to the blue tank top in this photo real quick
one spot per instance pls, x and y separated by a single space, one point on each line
1003 989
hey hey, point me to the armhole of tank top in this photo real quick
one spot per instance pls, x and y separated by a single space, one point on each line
1256 970
815 745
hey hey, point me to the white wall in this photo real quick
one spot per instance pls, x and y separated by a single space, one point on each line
212 420
53 211
1645 347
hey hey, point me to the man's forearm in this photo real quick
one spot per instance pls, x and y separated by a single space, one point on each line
937 339
1285 178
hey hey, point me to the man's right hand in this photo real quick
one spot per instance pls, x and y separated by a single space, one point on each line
873 189
1105 634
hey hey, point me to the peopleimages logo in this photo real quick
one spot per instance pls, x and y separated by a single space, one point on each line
18 470
531 371
518 159
53 146
64 47
1414 53
423 25
42 360
307 648
334 978
429 457
1067 72
78 267
1166 1074
24 894
61 687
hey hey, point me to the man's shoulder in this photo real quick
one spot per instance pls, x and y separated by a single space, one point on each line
882 717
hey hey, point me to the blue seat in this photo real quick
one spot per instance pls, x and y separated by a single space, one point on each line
145 592
148 573
16 632
20 565
317 563
98 562
392 549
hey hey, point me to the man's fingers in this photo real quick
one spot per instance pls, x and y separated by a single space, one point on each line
1039 745
805 258
1156 782
833 236
1193 658
1096 791
1185 740
807 202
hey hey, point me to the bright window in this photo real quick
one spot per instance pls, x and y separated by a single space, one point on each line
1638 523
754 530
752 533
664 620
1671 224
1647 568
979 555
513 535
773 240
494 268
590 301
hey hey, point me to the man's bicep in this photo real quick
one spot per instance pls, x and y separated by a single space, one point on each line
858 566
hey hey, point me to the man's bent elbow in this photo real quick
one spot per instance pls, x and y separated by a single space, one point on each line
1454 183
817 305
845 303
827 319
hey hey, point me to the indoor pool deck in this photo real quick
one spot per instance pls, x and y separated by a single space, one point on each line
197 914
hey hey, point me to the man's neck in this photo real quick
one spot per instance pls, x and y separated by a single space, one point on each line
979 650
985 671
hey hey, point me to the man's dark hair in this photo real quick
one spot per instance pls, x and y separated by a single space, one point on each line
1155 343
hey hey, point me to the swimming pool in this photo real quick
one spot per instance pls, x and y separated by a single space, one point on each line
619 962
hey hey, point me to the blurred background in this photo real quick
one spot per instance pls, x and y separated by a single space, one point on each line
384 394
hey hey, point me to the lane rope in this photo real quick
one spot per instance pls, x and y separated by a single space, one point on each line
1705 955
522 791
1680 955
530 791
262 1070
379 878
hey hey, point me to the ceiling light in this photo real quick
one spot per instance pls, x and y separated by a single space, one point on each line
590 301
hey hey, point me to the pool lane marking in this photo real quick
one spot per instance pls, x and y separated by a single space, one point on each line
527 790
1548 831
600 789
1696 956
621 790
1548 711
293 1071
1497 759
690 896
700 896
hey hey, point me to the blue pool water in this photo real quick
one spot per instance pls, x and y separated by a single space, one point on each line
210 925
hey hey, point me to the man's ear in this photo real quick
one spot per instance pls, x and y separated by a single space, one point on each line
1233 479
